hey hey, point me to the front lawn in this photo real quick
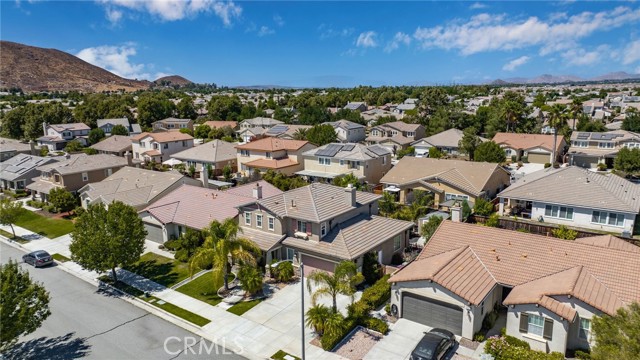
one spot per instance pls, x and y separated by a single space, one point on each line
203 289
177 311
160 269
42 225
280 355
60 258
242 307
9 235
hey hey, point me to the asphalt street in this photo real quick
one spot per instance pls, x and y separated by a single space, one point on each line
88 323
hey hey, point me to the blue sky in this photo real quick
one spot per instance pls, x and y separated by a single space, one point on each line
304 43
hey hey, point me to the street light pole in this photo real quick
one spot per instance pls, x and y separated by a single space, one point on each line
302 300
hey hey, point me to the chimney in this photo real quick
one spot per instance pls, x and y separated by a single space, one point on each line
44 128
32 144
456 214
257 191
204 176
350 195
129 156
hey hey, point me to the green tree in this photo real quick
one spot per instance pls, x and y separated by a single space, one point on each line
224 107
435 153
404 152
631 121
105 239
333 324
346 180
185 108
227 172
387 205
300 134
565 233
316 316
469 142
95 135
493 220
119 130
9 212
202 131
628 160
483 207
489 151
73 146
221 245
62 200
343 281
557 120
321 134
284 272
153 107
24 304
429 227
617 336
251 279
186 131
190 241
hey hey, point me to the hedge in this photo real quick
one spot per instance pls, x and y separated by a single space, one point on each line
377 294
507 348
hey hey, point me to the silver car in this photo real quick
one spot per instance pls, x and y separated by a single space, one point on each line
38 258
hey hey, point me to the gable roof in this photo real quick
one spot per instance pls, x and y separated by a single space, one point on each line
467 175
400 126
172 120
519 259
114 143
609 241
346 124
448 138
20 165
70 127
528 141
212 151
316 202
120 121
577 187
273 144
163 137
262 121
349 151
77 163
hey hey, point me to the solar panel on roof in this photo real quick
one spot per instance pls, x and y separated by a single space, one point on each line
348 147
330 151
378 150
583 136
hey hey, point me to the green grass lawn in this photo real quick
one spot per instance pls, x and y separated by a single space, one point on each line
177 311
160 269
10 236
203 289
242 307
51 228
281 354
60 257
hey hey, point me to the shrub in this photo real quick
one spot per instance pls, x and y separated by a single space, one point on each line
358 310
479 337
378 293
513 158
50 208
483 207
503 331
284 271
397 259
493 220
582 354
524 230
329 341
387 308
371 268
525 159
376 324
514 341
182 255
489 320
602 167
547 165
172 245
565 233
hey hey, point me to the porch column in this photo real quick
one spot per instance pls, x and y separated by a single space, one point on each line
501 207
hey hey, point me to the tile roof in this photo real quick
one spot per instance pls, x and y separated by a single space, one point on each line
71 127
528 141
114 143
120 121
273 144
271 163
448 138
7 144
578 187
467 175
346 124
542 266
20 165
400 126
398 139
262 121
354 237
172 120
213 151
78 163
357 152
264 239
162 137
220 124
609 241
316 202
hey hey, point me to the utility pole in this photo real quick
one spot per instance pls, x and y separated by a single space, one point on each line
302 300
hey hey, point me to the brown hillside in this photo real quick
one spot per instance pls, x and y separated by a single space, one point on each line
173 80
37 69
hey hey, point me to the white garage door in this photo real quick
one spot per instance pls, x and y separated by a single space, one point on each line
312 264
154 232
538 158
430 312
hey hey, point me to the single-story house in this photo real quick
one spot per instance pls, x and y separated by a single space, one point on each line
538 148
114 145
447 142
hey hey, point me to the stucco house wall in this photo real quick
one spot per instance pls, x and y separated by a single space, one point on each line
582 218
558 340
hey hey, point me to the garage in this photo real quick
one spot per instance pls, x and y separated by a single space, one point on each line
154 232
538 158
432 312
586 162
313 263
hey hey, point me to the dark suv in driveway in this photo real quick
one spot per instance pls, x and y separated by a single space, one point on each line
38 258
434 345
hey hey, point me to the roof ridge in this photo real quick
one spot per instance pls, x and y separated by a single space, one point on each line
313 203
613 293
458 251
483 265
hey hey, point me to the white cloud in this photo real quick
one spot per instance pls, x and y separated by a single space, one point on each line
278 20
367 39
631 53
264 31
327 32
477 5
172 10
637 71
515 63
398 39
116 59
582 57
113 15
487 32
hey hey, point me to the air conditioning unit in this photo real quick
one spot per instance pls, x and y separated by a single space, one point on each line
301 235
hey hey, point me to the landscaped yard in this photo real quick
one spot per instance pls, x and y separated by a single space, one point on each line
242 307
177 311
280 355
202 288
160 269
9 235
49 227
60 258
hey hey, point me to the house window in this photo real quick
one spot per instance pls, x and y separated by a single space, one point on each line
244 152
448 196
271 223
354 164
482 308
535 325
302 226
258 220
142 145
268 155
560 212
605 145
397 241
108 172
156 146
183 126
324 161
247 218
341 162
323 229
184 143
616 219
384 160
374 133
599 217
85 176
581 144
165 146
585 329
508 152
411 134
290 254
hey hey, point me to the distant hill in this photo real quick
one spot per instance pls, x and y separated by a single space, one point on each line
37 69
172 80
558 79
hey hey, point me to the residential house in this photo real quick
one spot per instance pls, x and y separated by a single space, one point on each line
448 180
11 147
402 109
537 148
356 106
348 131
133 186
107 125
372 116
73 172
588 149
256 127
56 136
219 124
395 135
192 207
576 197
551 288
169 124
160 146
286 131
367 162
215 153
18 172
322 225
447 142
116 145
590 107
281 155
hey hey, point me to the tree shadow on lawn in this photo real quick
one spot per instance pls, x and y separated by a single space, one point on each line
161 273
58 348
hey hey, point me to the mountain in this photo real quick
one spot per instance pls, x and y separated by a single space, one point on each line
619 75
558 79
37 69
173 80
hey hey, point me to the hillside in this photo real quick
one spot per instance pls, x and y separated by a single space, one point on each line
37 69
173 80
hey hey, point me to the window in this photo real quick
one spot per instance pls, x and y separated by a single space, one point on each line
616 219
374 133
85 176
397 242
156 146
508 152
271 223
581 144
258 220
613 219
267 155
341 162
324 161
536 325
384 160
244 152
290 254
448 196
142 144
605 145
165 146
323 229
302 226
184 143
482 308
560 212
247 218
411 134
108 172
585 329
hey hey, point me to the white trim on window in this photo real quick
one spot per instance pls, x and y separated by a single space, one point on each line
247 218
271 223
85 176
605 218
535 325
323 229
558 212
324 161
584 330
259 220
397 242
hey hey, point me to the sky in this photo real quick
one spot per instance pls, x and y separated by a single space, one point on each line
343 44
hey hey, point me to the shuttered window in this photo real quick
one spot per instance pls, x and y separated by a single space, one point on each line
536 325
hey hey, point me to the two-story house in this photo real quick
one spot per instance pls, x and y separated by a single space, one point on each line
107 125
158 147
537 148
322 224
171 124
367 163
18 172
281 155
116 145
448 142
56 136
348 131
74 172
395 135
251 128
588 149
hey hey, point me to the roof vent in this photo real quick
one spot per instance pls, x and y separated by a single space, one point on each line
293 203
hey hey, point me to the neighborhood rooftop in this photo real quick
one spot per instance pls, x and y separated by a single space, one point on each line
162 137
273 144
78 163
528 141
349 151
114 143
213 151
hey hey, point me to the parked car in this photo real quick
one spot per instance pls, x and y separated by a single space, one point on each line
38 258
434 345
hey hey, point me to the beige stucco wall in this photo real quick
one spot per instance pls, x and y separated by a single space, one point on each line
73 182
558 340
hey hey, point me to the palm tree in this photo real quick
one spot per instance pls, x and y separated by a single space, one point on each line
300 134
251 279
316 316
222 248
557 119
575 110
342 281
333 323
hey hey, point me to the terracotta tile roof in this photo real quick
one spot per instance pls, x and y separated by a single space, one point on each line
264 239
271 163
162 137
152 152
114 143
273 144
220 124
537 266
609 241
528 141
78 163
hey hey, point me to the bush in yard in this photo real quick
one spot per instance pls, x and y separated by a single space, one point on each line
493 221
358 310
582 354
284 271
376 324
479 337
251 279
182 255
172 244
62 200
330 340
602 167
371 268
565 233
547 165
377 294
483 207
397 259
514 341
